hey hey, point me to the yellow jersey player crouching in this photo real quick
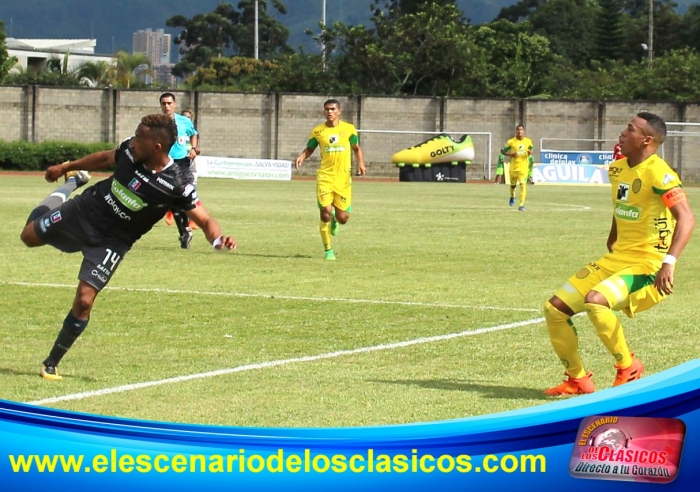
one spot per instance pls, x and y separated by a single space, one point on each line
334 177
651 224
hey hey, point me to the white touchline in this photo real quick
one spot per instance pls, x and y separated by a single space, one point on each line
282 362
283 297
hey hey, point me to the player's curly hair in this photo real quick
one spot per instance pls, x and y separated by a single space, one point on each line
163 127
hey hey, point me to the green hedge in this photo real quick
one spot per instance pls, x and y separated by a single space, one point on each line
26 156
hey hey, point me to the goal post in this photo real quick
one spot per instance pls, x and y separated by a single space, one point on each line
680 149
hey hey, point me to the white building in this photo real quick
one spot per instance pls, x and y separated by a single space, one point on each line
34 53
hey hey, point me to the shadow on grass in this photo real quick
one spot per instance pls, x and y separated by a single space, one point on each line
489 391
236 253
8 371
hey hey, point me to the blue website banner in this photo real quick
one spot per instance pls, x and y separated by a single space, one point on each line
572 157
530 449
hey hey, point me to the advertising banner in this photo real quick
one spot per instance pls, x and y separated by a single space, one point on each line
646 432
576 157
232 168
571 174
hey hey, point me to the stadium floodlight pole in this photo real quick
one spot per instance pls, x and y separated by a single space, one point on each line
651 32
256 30
323 33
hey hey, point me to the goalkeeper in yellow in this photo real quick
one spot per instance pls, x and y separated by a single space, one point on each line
519 148
651 224
337 140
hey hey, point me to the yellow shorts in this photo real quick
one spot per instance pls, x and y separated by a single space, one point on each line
518 176
627 284
329 193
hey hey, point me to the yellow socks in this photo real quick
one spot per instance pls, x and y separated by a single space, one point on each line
610 332
563 336
523 194
325 228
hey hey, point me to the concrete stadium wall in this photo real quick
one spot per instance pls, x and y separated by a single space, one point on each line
277 126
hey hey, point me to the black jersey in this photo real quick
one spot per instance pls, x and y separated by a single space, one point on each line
131 201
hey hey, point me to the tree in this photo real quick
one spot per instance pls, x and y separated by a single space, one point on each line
227 31
272 35
609 32
236 73
518 59
569 25
129 67
427 52
691 27
97 74
6 61
520 11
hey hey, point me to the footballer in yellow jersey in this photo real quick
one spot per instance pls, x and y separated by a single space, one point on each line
651 224
337 140
519 148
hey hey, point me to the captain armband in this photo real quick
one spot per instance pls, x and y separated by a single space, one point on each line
673 197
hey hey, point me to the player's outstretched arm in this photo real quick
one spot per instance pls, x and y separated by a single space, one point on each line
92 162
211 229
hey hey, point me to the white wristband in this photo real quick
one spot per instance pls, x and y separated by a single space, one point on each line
669 259
217 241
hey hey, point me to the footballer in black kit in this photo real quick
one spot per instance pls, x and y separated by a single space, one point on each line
106 220
110 216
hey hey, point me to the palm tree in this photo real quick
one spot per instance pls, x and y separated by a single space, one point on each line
129 66
97 74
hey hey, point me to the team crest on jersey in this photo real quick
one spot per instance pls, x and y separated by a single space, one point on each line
637 185
582 273
135 184
55 217
623 191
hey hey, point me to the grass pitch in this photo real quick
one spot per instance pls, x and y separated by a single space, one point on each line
432 311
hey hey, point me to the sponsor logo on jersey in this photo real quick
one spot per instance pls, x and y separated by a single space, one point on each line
128 154
330 150
623 191
667 179
143 177
134 184
164 183
333 139
627 212
126 197
115 207
55 217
